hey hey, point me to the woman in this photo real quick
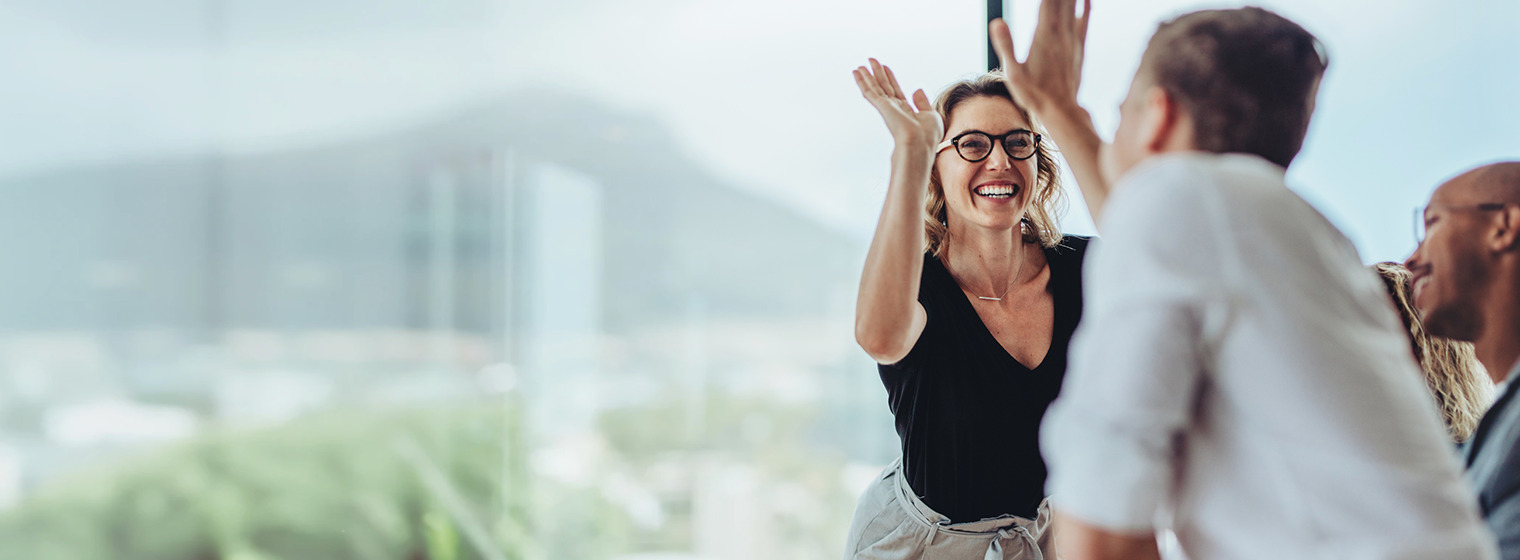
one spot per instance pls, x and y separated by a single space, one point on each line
1457 381
968 300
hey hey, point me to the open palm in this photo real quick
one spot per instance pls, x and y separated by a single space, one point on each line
1052 73
914 125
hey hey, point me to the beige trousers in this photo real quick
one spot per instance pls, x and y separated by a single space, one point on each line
892 523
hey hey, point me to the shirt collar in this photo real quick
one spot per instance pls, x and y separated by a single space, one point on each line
1502 386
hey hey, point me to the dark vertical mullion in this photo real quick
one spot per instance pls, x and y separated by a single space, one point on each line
994 11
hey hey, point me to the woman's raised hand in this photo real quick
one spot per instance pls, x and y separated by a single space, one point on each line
914 126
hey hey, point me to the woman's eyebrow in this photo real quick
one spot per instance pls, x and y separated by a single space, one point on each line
1010 131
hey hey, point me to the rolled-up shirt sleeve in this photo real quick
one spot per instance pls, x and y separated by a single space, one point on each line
1153 288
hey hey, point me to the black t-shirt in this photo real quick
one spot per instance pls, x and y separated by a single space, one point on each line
967 412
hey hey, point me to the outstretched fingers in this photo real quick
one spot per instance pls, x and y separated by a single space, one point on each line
868 85
911 122
1080 31
1002 44
892 81
883 81
928 119
1081 24
1057 14
921 101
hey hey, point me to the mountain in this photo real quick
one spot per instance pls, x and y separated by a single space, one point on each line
387 231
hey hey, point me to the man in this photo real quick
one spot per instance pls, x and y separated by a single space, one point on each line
1467 287
1239 375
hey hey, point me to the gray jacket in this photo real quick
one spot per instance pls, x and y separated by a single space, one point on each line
1492 457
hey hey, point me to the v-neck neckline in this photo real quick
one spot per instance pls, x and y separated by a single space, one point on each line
1055 307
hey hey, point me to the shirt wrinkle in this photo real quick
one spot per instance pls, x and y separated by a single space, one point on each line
1235 369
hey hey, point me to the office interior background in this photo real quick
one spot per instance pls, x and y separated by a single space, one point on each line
498 279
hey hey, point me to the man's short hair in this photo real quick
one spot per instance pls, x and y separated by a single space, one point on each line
1246 76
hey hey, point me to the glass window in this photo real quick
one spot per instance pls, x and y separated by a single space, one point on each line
492 279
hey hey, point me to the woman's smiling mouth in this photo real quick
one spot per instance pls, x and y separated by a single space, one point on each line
997 189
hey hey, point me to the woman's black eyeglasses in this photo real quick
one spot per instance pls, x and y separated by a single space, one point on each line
975 146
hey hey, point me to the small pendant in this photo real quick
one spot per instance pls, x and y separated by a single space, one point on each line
990 298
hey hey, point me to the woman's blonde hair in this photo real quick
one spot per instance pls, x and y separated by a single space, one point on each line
1047 200
1456 379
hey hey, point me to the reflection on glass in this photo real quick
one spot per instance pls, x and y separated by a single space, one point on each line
478 321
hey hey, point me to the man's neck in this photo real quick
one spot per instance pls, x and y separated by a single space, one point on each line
1497 360
1498 348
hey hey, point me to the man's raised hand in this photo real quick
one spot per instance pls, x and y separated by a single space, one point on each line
1050 76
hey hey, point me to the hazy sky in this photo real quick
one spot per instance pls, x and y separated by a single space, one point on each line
760 92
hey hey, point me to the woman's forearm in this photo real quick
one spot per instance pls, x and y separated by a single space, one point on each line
886 312
1078 540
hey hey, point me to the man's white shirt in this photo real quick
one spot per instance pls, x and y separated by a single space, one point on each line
1240 373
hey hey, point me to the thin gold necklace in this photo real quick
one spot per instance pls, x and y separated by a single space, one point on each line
1015 281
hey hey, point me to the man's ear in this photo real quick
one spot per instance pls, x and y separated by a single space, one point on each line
1160 122
1505 235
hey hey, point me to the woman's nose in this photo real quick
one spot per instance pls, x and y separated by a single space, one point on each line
999 159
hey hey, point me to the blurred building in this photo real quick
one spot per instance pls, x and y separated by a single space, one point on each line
530 232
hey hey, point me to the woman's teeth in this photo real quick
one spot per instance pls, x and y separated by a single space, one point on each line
997 191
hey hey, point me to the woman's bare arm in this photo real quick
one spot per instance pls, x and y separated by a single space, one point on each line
888 317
